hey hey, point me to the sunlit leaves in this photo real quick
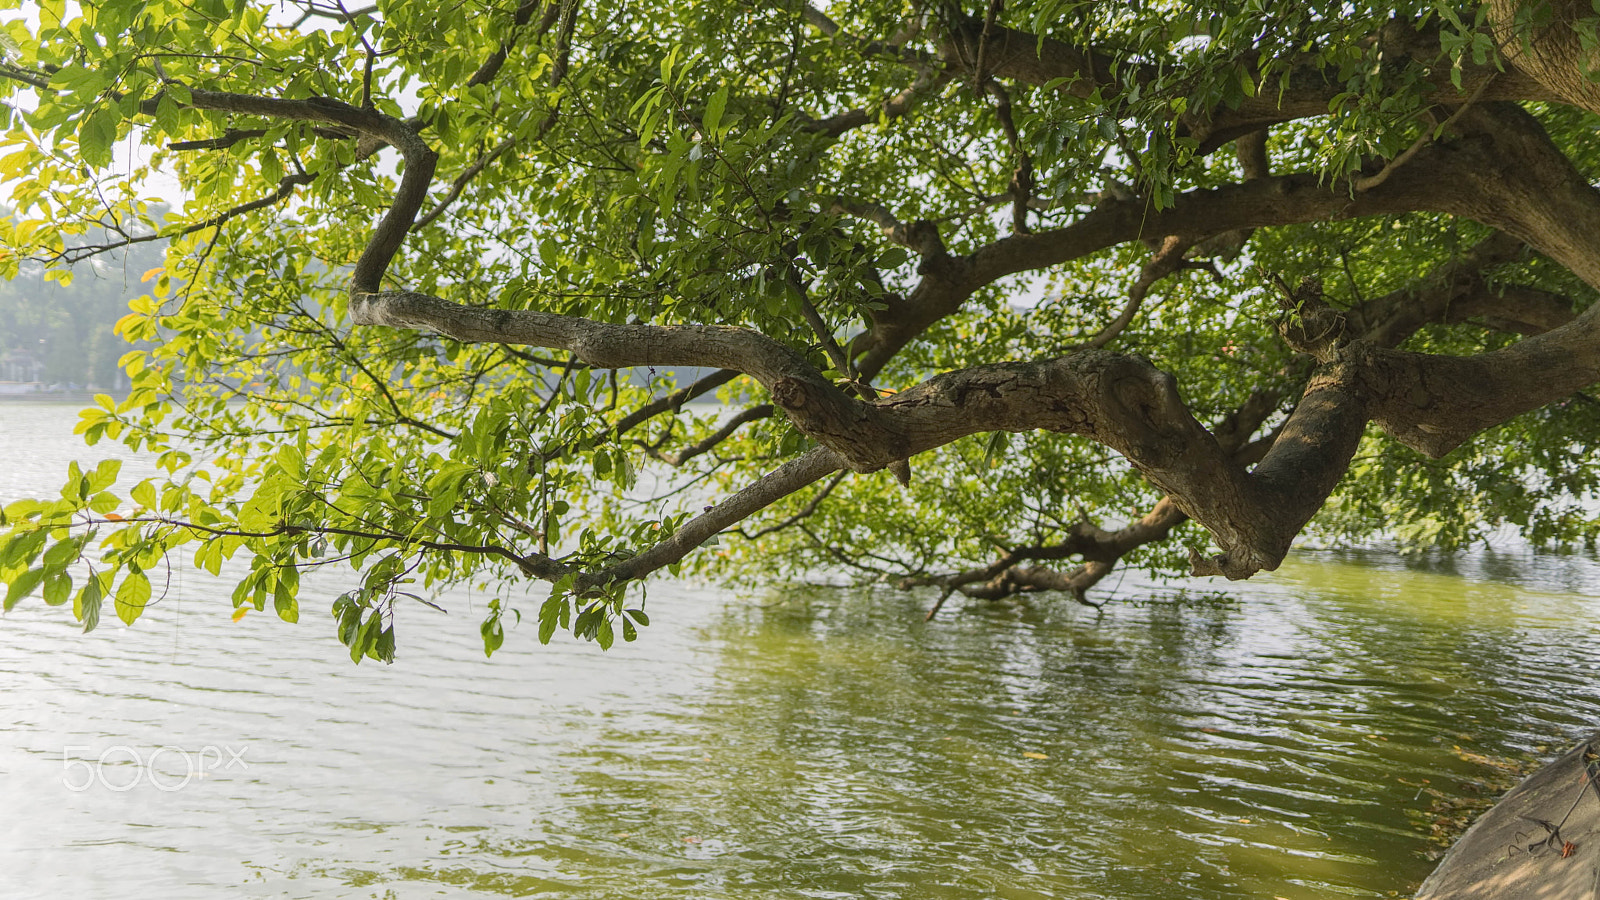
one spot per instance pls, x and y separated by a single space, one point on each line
367 629
692 163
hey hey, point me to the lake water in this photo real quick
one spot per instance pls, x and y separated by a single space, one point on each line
796 744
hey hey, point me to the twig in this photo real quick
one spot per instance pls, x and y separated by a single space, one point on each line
1427 137
1165 261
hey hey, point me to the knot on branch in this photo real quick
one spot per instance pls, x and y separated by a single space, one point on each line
790 394
848 427
1234 565
1310 325
1146 418
922 236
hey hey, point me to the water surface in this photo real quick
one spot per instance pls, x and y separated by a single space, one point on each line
789 744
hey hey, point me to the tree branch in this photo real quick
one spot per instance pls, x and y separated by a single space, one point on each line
491 66
1085 72
1428 135
285 189
672 402
805 512
462 180
1167 259
710 442
850 427
793 475
819 20
927 81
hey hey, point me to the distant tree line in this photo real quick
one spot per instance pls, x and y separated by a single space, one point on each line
62 331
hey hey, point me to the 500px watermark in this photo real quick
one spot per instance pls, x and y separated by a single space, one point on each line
122 768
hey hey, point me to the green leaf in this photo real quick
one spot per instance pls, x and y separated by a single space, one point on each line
714 110
22 586
104 474
132 595
64 553
493 635
284 603
144 494
97 134
208 556
625 473
894 258
994 449
22 548
549 616
366 638
57 588
383 647
86 605
349 623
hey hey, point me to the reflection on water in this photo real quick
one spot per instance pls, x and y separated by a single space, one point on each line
812 744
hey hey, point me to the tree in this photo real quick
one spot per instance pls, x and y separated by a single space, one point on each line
1076 275
67 323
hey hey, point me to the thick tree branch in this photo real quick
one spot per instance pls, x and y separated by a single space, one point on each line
1119 401
1196 215
1516 309
1097 547
1503 172
1453 292
1548 42
1017 55
1087 71
1100 549
1435 403
820 409
1450 292
420 161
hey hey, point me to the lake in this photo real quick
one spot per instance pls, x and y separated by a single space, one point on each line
1282 741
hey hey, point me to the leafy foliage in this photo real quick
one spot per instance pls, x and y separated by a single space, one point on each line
773 167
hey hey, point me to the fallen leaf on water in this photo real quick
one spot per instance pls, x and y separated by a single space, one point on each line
1032 755
691 840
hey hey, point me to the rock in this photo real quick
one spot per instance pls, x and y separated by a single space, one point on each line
1540 842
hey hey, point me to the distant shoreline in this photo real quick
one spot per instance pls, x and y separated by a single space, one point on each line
85 397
